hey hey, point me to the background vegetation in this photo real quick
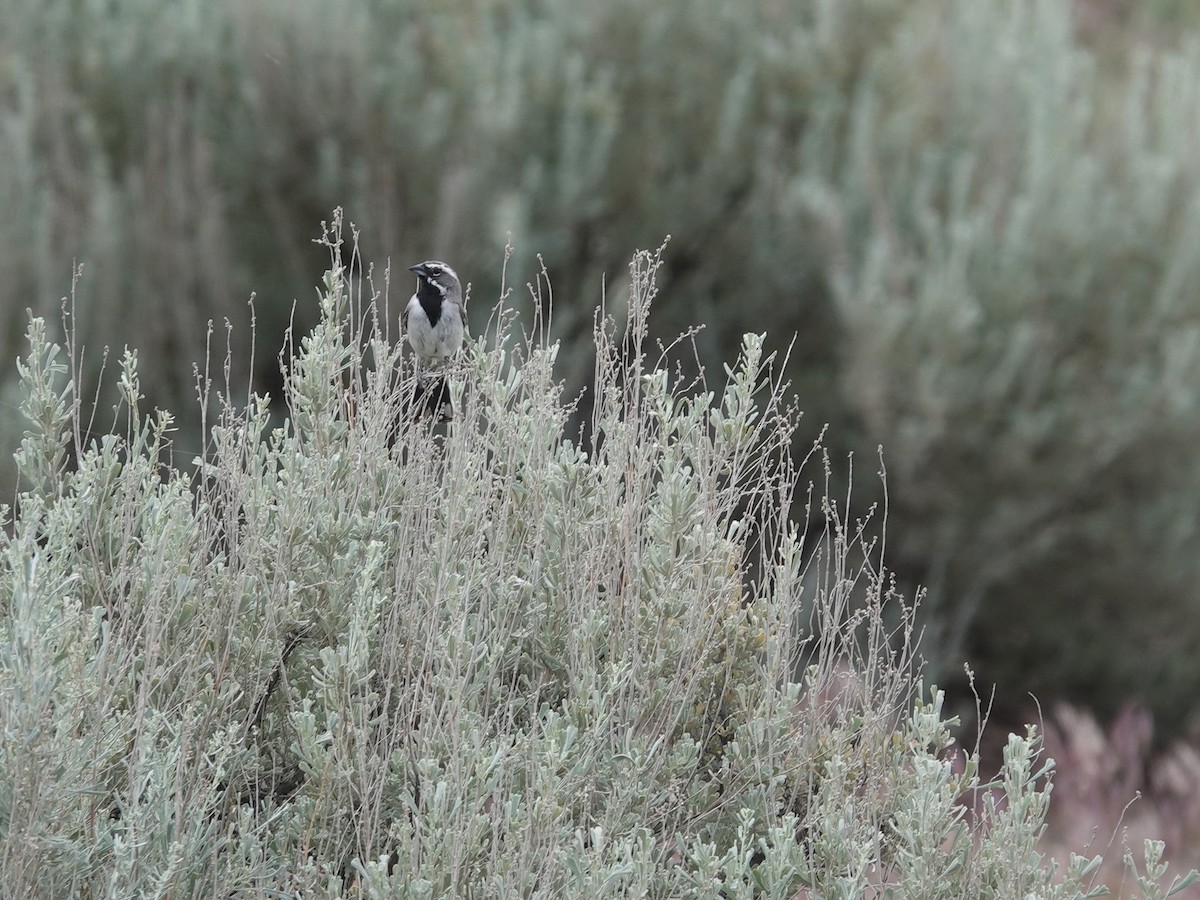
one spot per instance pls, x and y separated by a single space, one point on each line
981 221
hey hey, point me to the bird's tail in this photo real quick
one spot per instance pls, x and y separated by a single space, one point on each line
431 397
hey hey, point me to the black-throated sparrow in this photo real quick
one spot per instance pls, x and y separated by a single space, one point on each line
435 321
435 318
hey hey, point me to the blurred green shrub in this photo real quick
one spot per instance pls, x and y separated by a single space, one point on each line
982 237
184 153
358 655
1020 289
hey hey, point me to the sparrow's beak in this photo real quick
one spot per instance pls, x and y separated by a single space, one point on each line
418 269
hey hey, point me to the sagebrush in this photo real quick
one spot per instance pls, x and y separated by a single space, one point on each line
357 654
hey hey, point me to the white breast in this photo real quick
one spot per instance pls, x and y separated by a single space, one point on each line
439 342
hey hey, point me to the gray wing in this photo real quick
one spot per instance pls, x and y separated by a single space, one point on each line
404 316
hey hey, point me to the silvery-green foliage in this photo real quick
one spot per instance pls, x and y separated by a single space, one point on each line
42 456
1016 267
359 654
979 227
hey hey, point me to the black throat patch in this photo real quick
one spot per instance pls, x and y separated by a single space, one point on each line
430 296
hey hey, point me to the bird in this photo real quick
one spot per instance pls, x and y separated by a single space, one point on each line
435 319
435 322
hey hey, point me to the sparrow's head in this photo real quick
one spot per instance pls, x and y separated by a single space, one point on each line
438 276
